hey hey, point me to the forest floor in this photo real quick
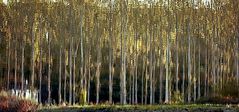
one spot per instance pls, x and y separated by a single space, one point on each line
145 108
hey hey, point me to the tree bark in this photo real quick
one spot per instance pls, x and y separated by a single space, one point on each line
40 69
22 67
98 65
49 67
9 61
32 60
59 80
15 68
110 53
189 61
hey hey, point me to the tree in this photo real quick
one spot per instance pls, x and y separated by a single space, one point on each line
110 52
98 63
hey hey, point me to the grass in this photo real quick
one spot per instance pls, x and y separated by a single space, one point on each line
132 108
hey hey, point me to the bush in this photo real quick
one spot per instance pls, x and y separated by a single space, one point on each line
229 89
218 100
3 93
83 97
3 103
228 93
177 97
12 104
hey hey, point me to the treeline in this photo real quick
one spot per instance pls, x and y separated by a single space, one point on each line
132 51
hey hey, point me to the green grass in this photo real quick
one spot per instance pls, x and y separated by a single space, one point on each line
132 108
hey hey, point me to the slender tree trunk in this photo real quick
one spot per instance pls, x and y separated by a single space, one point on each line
161 63
237 69
110 54
199 71
49 68
167 73
184 54
40 70
146 68
177 60
65 73
136 81
82 54
59 80
133 80
74 78
168 80
98 65
9 62
206 65
142 80
189 61
123 53
70 71
136 70
121 59
124 62
71 55
89 79
32 61
194 72
183 78
151 66
15 68
146 85
130 84
22 68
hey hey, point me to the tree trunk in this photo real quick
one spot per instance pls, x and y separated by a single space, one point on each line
167 80
177 61
136 70
32 61
237 48
146 85
189 61
167 73
49 67
15 68
70 71
98 65
183 78
110 53
74 78
59 80
161 63
65 73
40 70
151 66
9 62
89 79
124 62
22 68
142 80
199 72
194 72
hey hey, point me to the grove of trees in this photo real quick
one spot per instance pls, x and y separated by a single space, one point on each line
127 51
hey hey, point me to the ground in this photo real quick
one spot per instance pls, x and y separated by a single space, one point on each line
143 108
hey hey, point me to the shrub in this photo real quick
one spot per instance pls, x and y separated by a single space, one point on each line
228 93
177 97
3 93
218 100
12 104
83 97
229 89
3 103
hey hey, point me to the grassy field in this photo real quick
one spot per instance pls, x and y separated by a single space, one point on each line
143 108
